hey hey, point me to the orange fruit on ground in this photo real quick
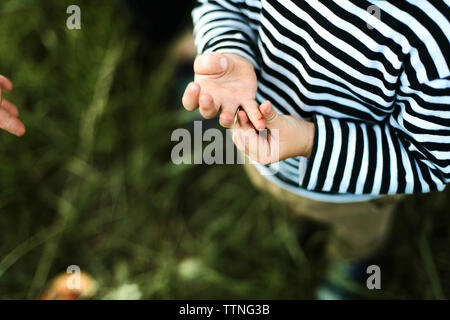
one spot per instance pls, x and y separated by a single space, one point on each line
70 286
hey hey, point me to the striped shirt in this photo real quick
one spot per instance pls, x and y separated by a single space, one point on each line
372 75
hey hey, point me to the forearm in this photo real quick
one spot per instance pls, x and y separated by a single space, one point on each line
360 158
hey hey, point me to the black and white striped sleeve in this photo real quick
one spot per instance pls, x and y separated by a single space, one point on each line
409 153
221 26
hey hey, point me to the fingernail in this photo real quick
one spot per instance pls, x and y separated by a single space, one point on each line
194 87
223 63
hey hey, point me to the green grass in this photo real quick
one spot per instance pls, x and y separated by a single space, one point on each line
92 183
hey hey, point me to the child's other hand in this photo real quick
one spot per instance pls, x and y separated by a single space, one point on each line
9 112
288 136
222 83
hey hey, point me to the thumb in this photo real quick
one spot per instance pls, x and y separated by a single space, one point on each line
211 63
270 115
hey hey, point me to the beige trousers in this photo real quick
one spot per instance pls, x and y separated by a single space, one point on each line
360 228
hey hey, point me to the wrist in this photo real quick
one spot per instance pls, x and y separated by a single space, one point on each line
309 139
300 137
303 134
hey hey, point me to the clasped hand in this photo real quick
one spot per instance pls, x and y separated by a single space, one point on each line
226 83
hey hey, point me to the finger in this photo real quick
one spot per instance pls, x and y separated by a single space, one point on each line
5 84
227 116
208 108
190 97
8 106
248 138
237 130
211 64
244 121
269 114
11 123
244 127
255 116
240 138
255 145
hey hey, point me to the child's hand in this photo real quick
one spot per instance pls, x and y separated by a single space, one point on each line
9 112
223 82
288 136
